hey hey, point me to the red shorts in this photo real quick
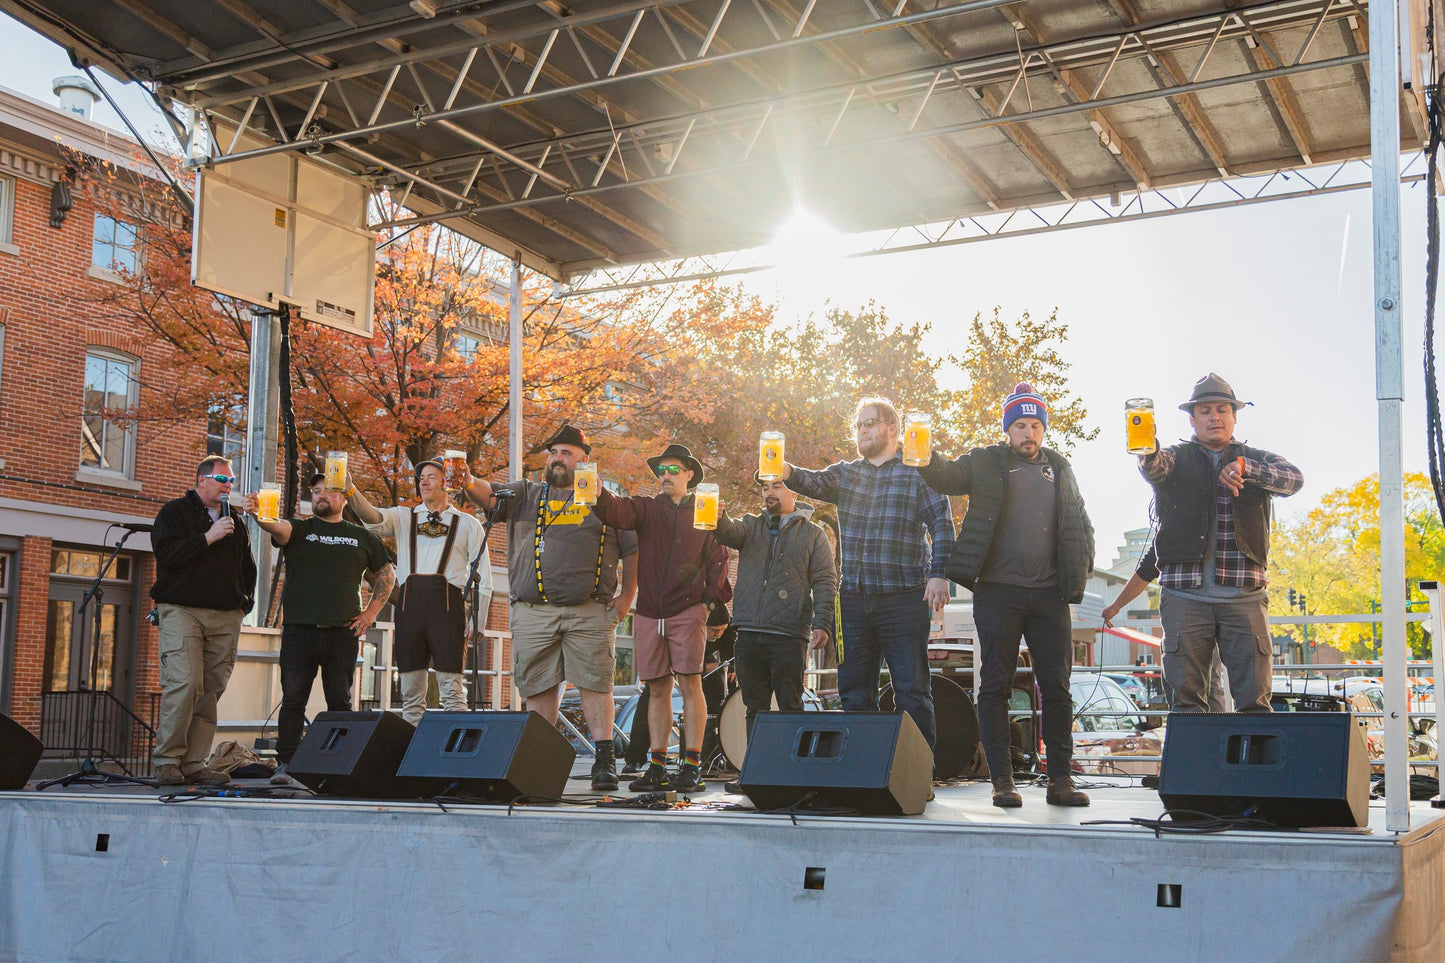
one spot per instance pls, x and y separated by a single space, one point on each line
677 650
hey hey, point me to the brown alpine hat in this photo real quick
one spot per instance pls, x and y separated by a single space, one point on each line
1212 388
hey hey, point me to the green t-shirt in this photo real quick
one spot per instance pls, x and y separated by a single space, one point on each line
325 563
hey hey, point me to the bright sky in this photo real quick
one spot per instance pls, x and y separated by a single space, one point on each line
1275 297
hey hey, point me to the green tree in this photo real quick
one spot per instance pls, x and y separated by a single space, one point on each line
1332 555
1000 354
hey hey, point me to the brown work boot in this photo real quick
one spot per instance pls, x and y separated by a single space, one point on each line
207 777
169 774
1062 792
1005 796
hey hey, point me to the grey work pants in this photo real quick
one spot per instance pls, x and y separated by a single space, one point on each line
1194 630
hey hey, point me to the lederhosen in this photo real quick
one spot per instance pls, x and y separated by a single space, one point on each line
431 619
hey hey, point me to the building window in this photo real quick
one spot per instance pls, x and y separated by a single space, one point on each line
226 431
107 439
116 245
7 209
466 347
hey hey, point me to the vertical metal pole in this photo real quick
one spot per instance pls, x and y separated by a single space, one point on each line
1389 392
514 343
262 415
1437 656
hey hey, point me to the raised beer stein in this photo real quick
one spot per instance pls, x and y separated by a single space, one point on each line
335 472
268 502
704 506
454 465
770 455
584 483
917 439
1139 426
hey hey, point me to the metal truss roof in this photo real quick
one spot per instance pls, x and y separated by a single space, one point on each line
592 136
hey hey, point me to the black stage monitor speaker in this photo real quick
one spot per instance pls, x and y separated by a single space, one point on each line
19 753
869 762
352 754
1288 768
487 755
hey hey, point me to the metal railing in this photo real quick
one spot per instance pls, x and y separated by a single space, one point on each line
86 724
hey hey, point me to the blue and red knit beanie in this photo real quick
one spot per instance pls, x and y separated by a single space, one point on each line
1024 402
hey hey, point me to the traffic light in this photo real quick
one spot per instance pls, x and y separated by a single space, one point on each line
1302 601
1292 598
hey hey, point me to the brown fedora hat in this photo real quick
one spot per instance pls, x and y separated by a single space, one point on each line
1212 388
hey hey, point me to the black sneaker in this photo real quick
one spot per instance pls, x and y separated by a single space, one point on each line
654 780
689 779
734 787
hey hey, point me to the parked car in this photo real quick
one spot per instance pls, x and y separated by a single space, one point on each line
1128 733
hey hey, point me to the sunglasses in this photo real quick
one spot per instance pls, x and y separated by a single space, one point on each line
661 470
223 479
866 423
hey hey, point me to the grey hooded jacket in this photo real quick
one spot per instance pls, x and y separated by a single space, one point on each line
787 588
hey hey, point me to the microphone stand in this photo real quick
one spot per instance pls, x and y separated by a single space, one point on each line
90 771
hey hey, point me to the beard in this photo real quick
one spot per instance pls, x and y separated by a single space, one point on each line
326 510
773 505
872 447
560 476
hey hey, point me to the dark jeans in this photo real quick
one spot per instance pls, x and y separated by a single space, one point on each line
1003 614
769 665
304 649
892 627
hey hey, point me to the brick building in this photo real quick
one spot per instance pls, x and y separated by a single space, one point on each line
70 475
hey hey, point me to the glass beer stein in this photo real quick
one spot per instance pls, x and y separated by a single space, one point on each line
1139 426
268 502
335 471
770 455
454 465
917 439
584 484
704 506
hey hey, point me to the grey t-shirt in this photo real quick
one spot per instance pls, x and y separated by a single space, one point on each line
1023 551
1210 590
571 537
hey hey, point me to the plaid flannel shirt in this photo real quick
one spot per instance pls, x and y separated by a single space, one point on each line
883 512
1231 566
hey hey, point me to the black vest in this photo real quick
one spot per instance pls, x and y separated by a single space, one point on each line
1185 506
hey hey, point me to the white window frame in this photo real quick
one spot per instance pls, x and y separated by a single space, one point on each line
232 438
113 269
7 215
97 473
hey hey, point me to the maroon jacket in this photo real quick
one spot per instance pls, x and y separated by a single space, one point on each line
672 556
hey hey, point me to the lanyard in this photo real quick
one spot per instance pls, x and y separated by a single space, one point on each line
540 531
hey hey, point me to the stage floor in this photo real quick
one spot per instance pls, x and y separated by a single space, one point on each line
106 873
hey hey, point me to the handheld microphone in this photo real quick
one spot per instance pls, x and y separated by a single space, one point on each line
504 493
140 527
225 506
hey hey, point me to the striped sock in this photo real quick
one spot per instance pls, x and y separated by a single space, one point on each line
692 757
658 758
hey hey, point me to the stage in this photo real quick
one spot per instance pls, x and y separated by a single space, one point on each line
114 874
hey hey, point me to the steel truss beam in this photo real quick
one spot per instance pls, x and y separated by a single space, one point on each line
981 123
1143 205
484 176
